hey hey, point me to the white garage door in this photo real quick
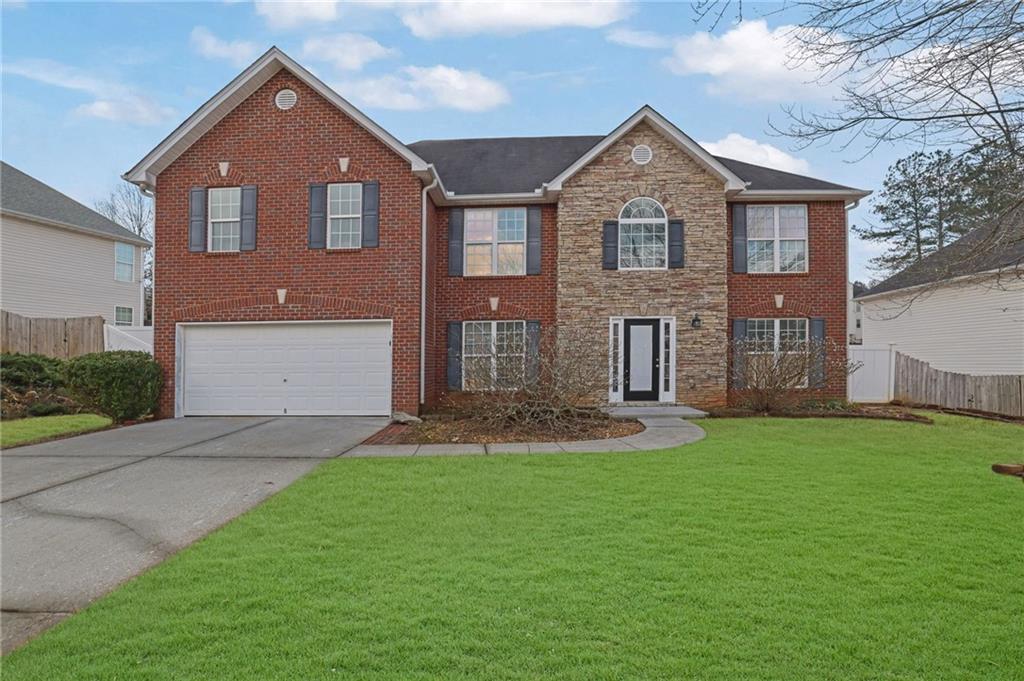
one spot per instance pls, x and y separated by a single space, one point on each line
304 369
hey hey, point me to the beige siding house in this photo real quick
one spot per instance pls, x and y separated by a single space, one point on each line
960 309
59 258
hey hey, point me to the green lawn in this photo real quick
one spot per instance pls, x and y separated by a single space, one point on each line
36 428
774 549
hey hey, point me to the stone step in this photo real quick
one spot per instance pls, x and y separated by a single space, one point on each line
649 410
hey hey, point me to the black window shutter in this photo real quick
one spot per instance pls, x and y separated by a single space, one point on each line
197 219
532 350
533 240
455 355
371 214
610 245
817 369
248 218
675 243
739 238
455 236
318 216
739 335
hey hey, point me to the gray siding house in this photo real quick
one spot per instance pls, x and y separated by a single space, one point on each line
59 258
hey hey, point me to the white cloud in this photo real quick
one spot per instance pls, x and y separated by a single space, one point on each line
643 39
456 17
113 101
434 87
347 51
743 148
289 14
749 61
238 52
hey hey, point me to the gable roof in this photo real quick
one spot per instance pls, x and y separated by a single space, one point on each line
648 115
988 248
234 93
24 196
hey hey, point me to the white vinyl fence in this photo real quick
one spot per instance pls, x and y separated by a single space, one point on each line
873 381
128 338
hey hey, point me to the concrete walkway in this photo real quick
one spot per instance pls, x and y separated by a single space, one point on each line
660 432
84 514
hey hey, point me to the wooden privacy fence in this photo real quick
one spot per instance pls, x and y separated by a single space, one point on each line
55 337
916 381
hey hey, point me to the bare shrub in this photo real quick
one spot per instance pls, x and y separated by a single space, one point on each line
544 381
772 376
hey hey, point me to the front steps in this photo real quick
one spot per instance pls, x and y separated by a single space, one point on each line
636 411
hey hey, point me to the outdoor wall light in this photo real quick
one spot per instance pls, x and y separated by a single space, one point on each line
696 322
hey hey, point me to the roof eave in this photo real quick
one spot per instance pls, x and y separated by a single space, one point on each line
800 195
950 281
144 173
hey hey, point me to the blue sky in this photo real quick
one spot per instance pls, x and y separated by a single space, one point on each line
89 88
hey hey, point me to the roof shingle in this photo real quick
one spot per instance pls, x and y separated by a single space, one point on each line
23 194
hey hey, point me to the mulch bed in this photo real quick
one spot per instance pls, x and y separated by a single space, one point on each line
468 431
886 412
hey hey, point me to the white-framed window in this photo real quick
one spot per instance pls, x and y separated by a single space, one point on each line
495 242
769 337
777 238
224 223
124 316
493 354
124 262
345 215
643 235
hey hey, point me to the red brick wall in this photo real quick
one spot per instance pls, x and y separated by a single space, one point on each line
820 292
527 297
283 152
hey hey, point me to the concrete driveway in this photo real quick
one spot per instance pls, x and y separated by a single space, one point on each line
82 515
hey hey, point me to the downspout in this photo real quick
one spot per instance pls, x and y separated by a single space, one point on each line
423 288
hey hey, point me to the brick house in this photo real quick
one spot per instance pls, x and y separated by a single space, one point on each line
308 262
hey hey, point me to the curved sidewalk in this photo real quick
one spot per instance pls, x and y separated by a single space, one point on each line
660 432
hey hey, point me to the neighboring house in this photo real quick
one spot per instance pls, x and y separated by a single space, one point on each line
960 309
61 259
854 313
311 263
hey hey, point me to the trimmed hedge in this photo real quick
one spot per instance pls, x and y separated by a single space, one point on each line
20 372
122 384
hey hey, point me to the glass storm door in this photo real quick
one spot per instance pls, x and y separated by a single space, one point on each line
640 360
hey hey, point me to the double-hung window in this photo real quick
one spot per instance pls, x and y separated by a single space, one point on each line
770 338
495 241
345 215
225 225
124 316
493 355
643 240
124 262
777 238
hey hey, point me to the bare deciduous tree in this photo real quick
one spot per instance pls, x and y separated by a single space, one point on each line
127 206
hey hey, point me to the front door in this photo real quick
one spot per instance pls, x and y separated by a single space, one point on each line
640 360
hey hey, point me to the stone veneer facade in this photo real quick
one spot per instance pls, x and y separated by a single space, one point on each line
589 295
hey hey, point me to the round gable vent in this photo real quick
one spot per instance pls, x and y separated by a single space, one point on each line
642 154
285 99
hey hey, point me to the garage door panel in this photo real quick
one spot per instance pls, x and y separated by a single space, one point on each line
300 369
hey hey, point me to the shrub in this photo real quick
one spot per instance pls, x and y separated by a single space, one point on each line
122 384
21 372
47 409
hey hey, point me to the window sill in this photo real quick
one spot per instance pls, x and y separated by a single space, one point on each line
484 277
773 274
217 254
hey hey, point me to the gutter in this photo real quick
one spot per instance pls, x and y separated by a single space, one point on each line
423 284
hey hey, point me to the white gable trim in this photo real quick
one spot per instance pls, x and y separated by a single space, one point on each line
732 182
144 173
